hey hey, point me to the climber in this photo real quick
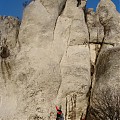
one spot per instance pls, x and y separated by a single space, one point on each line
79 3
59 114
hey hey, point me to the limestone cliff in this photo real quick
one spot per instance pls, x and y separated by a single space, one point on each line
55 56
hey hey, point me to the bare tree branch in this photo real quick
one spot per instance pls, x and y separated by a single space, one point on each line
105 105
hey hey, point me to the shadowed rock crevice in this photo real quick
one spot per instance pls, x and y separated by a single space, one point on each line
78 3
98 52
62 8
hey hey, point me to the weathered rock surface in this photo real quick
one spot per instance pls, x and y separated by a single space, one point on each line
72 30
75 81
9 47
105 92
107 69
106 76
52 59
103 26
96 30
38 74
109 18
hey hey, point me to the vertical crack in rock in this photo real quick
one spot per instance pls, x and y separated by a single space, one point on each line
74 106
65 53
78 3
17 38
63 7
85 13
69 36
60 13
89 98
66 109
85 17
19 45
71 114
88 95
60 75
55 28
97 33
101 45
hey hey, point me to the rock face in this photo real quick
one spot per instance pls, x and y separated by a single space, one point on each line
72 94
51 61
109 46
9 47
109 66
106 76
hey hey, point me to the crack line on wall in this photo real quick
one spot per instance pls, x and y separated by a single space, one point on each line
63 56
101 45
69 37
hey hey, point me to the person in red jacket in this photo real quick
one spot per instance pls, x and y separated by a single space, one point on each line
59 113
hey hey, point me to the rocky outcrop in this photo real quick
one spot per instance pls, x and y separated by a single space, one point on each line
96 30
9 47
106 76
103 26
46 55
107 20
60 54
72 30
105 91
108 68
51 48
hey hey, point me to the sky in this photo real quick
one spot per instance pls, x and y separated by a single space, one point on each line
15 7
11 8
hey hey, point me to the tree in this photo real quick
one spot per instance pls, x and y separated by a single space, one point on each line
105 106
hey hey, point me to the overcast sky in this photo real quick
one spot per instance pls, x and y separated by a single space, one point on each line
15 7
